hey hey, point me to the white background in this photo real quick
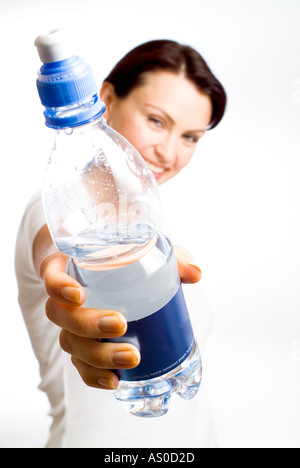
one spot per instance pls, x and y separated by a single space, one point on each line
236 206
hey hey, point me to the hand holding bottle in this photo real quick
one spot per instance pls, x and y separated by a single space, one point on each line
83 327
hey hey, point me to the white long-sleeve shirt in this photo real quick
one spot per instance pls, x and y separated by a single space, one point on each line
85 417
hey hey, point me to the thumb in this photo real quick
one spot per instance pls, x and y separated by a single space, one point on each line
188 271
58 284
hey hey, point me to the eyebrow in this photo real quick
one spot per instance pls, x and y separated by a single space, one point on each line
201 130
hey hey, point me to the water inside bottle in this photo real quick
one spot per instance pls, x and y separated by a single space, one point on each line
98 245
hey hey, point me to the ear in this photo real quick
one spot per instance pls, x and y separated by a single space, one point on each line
107 95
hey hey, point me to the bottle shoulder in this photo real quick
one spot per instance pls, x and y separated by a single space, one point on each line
99 193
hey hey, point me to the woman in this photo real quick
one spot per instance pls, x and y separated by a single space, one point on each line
162 97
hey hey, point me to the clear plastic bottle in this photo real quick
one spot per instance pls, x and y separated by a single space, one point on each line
103 210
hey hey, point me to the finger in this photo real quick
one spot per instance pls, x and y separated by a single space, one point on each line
93 377
58 284
188 271
90 323
98 354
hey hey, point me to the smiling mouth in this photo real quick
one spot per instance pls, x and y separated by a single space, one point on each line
157 170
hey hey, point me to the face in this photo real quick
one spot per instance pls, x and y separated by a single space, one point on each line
163 119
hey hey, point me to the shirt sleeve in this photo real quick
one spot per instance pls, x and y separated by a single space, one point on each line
44 335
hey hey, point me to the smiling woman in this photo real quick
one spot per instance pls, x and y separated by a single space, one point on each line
162 97
164 117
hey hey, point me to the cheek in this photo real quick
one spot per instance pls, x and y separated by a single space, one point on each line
183 158
134 132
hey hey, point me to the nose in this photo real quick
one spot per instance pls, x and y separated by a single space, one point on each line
166 149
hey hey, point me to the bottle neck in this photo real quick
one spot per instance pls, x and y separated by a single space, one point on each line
75 115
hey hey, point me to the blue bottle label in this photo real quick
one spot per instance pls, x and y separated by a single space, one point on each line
164 338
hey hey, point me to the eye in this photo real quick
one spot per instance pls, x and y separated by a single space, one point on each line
156 121
191 138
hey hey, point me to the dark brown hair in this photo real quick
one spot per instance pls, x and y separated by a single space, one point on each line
128 73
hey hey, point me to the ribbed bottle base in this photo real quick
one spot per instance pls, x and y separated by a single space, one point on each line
151 398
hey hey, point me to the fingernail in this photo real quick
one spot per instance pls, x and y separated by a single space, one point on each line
112 324
71 294
126 358
195 267
106 383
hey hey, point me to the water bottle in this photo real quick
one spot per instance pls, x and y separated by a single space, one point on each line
103 210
